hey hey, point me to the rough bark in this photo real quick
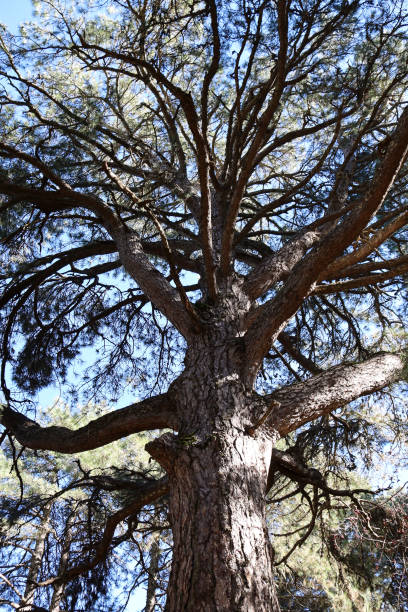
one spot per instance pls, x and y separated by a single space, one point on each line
336 387
222 557
217 473
218 463
277 267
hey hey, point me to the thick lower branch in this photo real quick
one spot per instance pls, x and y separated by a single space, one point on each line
153 413
306 401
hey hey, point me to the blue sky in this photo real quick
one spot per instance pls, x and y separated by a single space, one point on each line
13 12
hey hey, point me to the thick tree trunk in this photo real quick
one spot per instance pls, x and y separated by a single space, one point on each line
222 558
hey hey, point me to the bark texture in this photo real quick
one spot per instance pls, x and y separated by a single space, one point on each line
222 558
218 462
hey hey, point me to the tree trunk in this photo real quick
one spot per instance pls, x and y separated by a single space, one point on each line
222 558
27 601
59 587
154 555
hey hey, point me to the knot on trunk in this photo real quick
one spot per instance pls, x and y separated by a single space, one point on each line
164 450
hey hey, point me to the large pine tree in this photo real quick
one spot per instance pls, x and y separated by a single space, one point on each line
219 182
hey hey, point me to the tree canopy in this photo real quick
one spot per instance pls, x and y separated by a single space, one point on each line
204 208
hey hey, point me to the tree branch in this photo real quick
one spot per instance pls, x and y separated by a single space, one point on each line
169 254
323 393
154 413
362 281
274 268
274 315
209 75
148 493
397 264
153 284
290 348
61 199
62 259
340 265
263 212
259 139
203 162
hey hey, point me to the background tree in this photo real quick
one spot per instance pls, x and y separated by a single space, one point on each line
54 522
213 197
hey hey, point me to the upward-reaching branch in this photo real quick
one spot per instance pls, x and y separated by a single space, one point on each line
209 75
259 139
274 315
203 161
183 296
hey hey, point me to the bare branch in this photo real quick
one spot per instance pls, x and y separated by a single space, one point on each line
398 264
213 66
154 413
293 190
203 161
276 267
62 199
291 349
323 393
